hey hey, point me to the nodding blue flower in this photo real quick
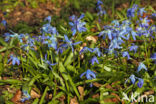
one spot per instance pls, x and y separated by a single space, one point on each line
94 60
125 53
133 47
30 43
85 49
26 96
47 28
99 2
46 61
48 19
7 36
97 51
59 50
115 23
140 83
153 57
153 14
107 32
14 35
141 11
134 34
131 11
132 78
141 30
4 22
141 66
144 22
69 43
101 12
89 75
115 44
52 42
77 24
14 59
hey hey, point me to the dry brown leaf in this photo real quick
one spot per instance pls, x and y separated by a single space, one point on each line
92 38
81 91
96 96
17 96
34 94
97 84
74 101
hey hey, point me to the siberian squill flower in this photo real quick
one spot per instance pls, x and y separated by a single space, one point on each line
4 22
131 11
14 59
144 22
141 66
153 57
85 49
107 32
94 60
26 96
133 47
140 83
46 61
48 19
97 51
141 11
77 24
125 53
69 43
132 78
89 75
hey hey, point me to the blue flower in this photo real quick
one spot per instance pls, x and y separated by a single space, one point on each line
133 47
48 19
144 22
48 62
131 11
4 22
85 49
140 83
153 14
77 25
134 34
89 75
99 2
14 60
52 42
93 60
107 32
141 11
141 66
69 43
125 53
7 36
47 28
97 51
26 96
132 78
153 57
101 12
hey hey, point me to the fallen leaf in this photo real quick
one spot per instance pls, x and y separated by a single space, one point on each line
74 101
81 91
97 84
34 94
92 38
17 96
96 96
